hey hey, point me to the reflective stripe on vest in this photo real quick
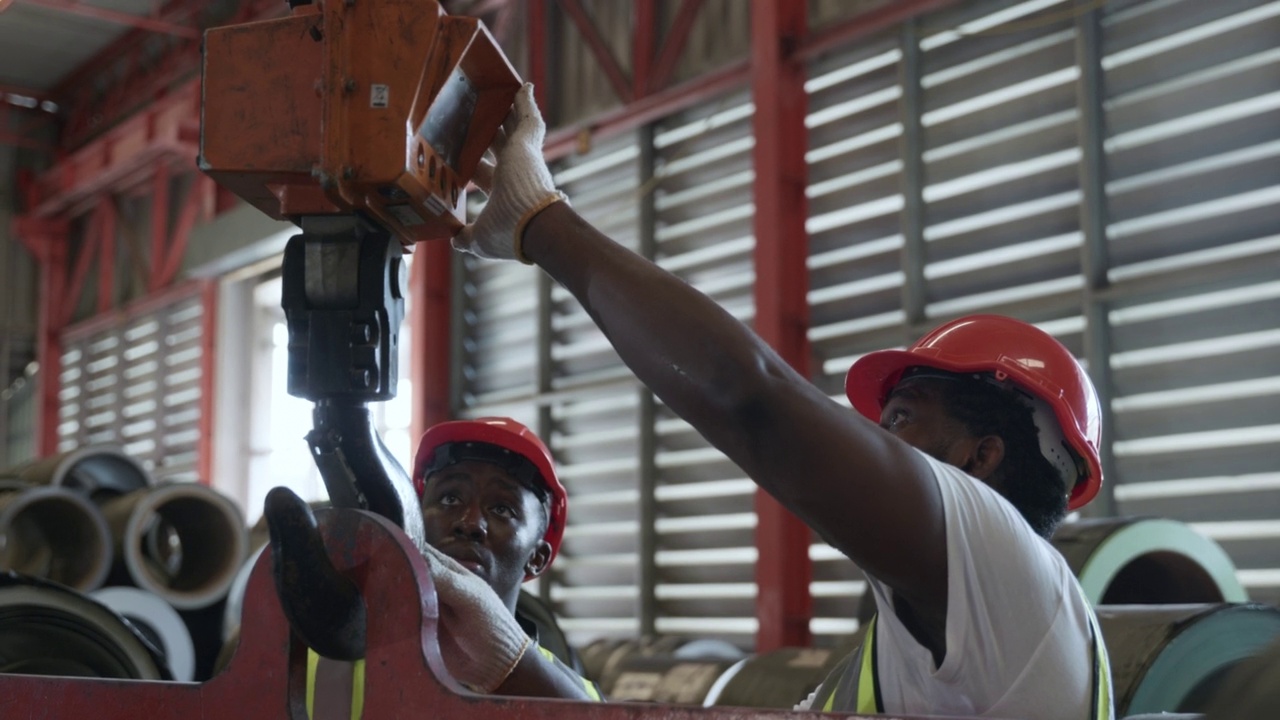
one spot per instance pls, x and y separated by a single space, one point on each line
869 700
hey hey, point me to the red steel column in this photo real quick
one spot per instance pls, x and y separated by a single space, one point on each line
783 570
430 289
53 271
536 20
208 368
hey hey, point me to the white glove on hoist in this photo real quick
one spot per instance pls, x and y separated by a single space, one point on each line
518 182
480 640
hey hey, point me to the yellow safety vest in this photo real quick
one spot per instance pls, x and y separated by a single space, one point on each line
869 701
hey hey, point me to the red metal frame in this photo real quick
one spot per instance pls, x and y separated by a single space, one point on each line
124 158
405 671
565 140
783 568
536 20
129 74
645 31
119 18
664 100
599 48
208 370
841 34
430 317
46 239
665 66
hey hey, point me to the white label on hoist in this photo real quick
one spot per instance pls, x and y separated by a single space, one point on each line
435 205
404 215
379 95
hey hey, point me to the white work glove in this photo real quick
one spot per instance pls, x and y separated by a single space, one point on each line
518 183
480 640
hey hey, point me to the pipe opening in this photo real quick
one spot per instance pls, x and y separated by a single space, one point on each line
52 534
189 545
1162 577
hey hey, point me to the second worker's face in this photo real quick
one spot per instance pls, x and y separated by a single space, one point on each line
915 413
478 514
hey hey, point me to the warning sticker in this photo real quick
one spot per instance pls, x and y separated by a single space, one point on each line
435 205
405 215
379 95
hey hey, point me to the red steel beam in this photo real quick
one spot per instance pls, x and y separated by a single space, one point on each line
70 294
599 48
159 223
53 268
431 283
208 368
117 17
107 251
643 37
144 305
124 156
176 243
536 20
841 34
673 46
784 606
564 140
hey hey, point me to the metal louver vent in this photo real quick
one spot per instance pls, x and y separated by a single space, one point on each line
137 385
1193 132
1107 171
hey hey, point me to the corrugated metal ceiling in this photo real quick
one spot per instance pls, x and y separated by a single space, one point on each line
39 45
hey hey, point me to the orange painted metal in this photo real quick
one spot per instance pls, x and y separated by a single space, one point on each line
382 107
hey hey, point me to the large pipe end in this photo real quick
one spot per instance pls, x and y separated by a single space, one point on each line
99 471
55 534
184 542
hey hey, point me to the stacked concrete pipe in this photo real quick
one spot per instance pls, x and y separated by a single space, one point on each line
182 541
54 533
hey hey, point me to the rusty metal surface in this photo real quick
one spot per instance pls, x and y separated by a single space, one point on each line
406 676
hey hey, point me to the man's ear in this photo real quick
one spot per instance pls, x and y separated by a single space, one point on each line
986 457
538 560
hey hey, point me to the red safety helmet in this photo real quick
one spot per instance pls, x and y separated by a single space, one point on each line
1010 350
504 433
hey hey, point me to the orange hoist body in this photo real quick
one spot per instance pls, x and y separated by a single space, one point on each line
376 107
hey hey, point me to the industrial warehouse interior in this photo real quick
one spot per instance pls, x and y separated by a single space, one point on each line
274 335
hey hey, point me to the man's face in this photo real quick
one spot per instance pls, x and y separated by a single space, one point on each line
915 414
476 513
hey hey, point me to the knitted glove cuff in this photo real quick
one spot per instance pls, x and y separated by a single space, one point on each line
529 215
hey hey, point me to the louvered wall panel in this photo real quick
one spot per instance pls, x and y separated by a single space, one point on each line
705 522
1193 135
1001 161
855 246
137 386
991 117
499 329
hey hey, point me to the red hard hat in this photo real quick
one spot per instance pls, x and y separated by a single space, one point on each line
511 435
1010 350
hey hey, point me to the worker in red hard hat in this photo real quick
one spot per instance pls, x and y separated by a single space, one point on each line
493 514
961 456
